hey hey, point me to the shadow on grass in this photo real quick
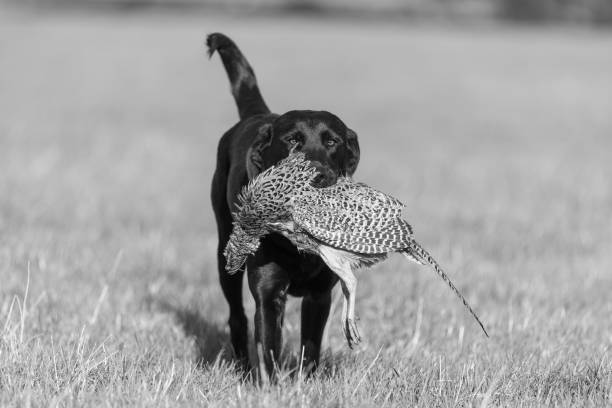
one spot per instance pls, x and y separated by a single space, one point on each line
211 340
213 345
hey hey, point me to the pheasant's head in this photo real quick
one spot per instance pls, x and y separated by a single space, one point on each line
239 247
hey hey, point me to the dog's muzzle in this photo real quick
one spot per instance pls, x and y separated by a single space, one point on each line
325 177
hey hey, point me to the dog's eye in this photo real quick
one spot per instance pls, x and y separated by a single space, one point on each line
295 139
330 142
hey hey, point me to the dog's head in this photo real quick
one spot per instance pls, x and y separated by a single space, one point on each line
324 139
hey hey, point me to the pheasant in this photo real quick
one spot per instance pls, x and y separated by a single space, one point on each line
349 225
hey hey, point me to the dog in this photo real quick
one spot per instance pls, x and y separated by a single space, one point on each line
259 140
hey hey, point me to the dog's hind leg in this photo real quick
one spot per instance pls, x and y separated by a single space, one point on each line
232 290
231 284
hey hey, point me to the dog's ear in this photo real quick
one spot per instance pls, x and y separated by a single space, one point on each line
352 152
254 158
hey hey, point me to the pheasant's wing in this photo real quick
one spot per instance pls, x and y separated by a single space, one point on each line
353 217
357 197
265 197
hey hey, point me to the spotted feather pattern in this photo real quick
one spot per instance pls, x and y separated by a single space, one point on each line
415 250
265 199
262 202
352 216
363 222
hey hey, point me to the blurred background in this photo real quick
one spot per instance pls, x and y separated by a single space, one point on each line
490 119
574 11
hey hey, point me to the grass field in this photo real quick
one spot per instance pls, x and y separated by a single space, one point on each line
498 139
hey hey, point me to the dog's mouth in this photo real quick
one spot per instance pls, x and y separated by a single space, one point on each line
324 178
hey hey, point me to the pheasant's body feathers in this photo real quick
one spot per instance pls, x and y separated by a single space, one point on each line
353 217
262 202
348 224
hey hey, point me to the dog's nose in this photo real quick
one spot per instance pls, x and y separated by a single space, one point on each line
326 176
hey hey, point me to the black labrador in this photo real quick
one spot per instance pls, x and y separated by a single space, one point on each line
259 140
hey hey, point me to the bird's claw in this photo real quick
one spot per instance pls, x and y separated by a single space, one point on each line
351 333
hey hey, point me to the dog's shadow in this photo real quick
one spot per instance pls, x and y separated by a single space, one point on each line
211 340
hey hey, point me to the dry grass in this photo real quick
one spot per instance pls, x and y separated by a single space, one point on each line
497 139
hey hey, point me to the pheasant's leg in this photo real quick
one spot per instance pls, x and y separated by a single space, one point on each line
338 263
344 306
349 289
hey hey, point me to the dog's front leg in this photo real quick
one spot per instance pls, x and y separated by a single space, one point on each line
268 284
315 311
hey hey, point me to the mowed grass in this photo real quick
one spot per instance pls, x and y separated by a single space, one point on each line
498 139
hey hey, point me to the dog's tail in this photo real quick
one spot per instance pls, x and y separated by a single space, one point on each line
416 253
241 75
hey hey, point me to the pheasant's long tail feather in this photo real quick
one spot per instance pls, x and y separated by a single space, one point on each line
415 252
414 257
